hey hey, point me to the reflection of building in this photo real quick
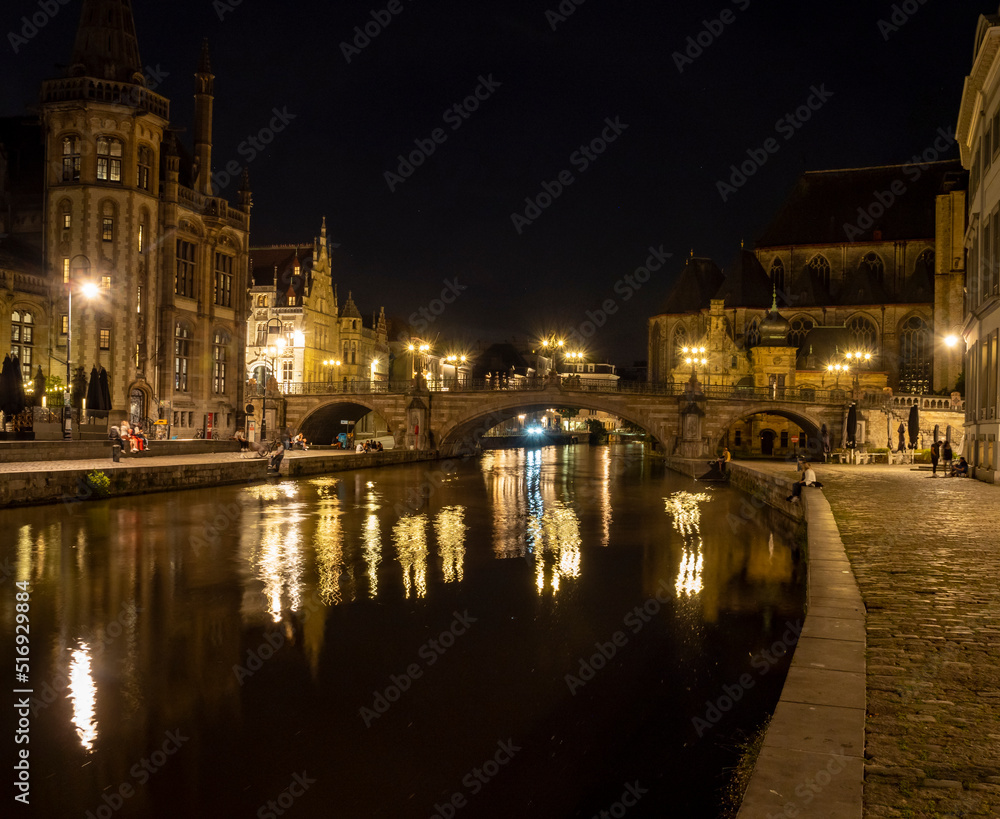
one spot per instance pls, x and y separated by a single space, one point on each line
835 272
978 137
326 341
123 205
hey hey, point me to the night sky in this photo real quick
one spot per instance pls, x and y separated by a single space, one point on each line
548 87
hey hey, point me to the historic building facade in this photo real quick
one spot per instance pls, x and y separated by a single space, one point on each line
322 340
124 207
978 135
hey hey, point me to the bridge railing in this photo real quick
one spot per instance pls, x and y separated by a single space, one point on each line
599 385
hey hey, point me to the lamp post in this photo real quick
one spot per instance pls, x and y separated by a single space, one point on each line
270 352
332 362
88 290
414 349
553 346
455 361
695 356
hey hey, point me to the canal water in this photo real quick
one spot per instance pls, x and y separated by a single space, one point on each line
538 633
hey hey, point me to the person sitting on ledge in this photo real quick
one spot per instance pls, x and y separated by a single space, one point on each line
961 469
808 479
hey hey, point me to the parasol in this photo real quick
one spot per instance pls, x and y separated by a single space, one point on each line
93 393
105 390
901 432
39 381
17 400
913 426
852 427
6 388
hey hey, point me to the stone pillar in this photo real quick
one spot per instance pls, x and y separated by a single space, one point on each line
417 425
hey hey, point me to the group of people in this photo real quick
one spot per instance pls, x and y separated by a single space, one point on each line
942 451
369 446
132 438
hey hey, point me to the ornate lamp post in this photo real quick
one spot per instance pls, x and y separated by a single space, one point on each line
695 356
88 290
332 362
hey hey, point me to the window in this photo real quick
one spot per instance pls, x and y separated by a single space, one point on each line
777 274
105 282
261 334
71 159
22 338
863 334
354 352
67 220
64 324
873 265
182 353
753 333
800 327
286 370
142 237
784 439
105 338
219 346
107 228
820 268
145 165
184 276
738 439
223 280
109 160
65 269
915 356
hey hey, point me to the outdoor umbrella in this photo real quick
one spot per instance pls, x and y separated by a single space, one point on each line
901 432
93 393
852 426
913 426
105 390
824 437
18 400
6 388
39 387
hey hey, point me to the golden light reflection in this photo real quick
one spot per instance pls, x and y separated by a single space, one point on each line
373 553
410 537
555 541
604 495
686 512
449 526
329 553
83 693
279 560
505 487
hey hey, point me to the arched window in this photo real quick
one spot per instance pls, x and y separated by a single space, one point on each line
777 274
220 344
109 159
872 264
354 352
22 338
863 334
753 333
916 356
71 159
182 355
680 341
262 301
800 327
820 268
926 261
144 178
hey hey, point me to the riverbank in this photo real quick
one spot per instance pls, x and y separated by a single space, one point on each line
811 763
78 479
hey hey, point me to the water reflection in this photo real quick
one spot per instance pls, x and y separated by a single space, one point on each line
410 536
83 693
449 526
279 559
555 540
685 510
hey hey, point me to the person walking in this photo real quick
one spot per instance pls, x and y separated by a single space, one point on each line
935 455
946 456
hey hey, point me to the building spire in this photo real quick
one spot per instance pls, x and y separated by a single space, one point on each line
204 98
106 46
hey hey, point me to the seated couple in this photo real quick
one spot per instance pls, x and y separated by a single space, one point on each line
808 479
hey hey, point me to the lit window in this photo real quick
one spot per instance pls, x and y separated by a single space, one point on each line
108 229
64 325
182 353
66 270
67 220
105 338
105 282
145 165
220 344
71 159
142 237
22 338
109 160
223 280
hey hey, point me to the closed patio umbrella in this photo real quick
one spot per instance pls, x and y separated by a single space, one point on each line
6 388
93 393
852 427
39 381
17 399
105 390
913 426
901 432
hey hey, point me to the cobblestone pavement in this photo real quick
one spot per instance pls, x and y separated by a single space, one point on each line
926 554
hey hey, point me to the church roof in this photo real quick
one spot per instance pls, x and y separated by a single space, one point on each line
837 206
264 260
106 46
746 284
695 286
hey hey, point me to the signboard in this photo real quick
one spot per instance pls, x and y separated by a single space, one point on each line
345 422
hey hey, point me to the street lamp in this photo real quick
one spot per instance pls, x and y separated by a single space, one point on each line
695 356
414 349
88 290
332 362
455 361
553 346
271 352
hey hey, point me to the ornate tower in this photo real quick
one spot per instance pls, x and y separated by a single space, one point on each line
204 97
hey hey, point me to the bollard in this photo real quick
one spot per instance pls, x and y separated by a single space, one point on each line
116 453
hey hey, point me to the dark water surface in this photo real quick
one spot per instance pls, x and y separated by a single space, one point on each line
538 639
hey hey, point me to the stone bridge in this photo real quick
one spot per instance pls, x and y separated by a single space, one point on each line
685 422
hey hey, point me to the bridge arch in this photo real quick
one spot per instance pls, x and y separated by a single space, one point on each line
322 423
809 418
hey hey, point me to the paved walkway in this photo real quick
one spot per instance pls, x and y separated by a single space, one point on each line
926 555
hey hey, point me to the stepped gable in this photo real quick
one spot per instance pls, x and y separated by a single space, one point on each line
823 207
746 284
695 286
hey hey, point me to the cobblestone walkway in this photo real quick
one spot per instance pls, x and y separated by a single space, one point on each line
926 554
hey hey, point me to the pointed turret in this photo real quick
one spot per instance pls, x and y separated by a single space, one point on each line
246 196
204 98
106 46
322 258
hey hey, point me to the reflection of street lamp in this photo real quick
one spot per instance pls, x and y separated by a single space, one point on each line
270 352
88 290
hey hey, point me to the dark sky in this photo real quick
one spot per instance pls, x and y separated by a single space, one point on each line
885 93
